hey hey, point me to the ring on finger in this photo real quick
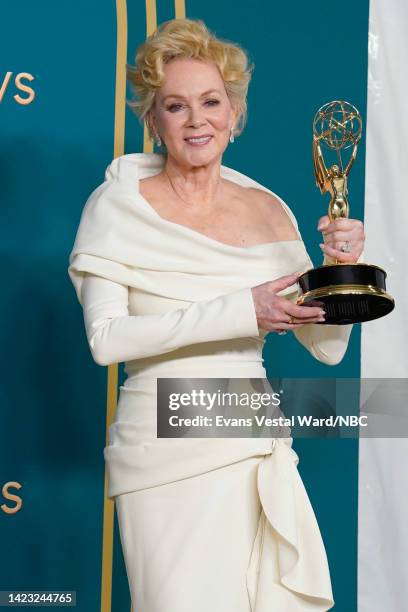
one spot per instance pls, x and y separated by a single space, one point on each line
291 320
346 247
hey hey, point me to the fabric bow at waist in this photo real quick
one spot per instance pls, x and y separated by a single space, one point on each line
288 564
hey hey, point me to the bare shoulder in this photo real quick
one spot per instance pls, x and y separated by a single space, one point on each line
270 207
265 199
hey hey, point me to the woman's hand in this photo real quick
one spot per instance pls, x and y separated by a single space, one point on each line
279 314
337 233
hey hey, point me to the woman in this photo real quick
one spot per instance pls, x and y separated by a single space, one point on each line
182 266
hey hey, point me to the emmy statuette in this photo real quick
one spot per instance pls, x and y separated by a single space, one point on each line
349 292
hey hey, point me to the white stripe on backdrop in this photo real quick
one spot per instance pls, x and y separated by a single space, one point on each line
383 477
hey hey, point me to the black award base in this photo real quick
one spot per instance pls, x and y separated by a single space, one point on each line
349 293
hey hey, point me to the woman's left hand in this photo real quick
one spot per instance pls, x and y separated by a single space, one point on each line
339 232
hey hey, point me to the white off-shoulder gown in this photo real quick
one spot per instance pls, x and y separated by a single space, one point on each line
206 525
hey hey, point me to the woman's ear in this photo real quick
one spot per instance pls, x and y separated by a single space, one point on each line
235 117
150 121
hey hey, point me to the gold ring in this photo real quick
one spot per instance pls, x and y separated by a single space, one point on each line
291 320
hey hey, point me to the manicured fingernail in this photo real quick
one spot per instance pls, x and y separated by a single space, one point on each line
322 246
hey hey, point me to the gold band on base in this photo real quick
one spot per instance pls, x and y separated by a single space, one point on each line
343 290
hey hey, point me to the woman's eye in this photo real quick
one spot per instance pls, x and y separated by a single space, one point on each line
173 107
213 102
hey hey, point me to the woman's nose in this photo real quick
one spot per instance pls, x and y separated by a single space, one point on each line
195 118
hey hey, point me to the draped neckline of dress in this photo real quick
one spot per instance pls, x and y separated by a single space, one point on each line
202 236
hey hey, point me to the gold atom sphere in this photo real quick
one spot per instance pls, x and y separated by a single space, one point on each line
338 124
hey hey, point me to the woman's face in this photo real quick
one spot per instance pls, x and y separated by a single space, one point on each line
193 102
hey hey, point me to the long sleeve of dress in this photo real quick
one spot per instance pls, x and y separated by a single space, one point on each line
115 336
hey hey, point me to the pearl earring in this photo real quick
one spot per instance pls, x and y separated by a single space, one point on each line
231 138
158 139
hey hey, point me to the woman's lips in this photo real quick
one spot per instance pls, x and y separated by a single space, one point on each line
198 142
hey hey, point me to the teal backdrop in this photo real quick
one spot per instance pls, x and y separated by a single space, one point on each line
53 153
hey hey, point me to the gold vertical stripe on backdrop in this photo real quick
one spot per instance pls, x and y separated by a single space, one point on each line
179 9
112 382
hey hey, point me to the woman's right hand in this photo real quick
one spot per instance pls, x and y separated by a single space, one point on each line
278 313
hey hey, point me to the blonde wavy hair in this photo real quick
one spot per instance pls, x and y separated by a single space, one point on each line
187 38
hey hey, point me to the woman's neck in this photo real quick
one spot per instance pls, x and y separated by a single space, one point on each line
194 185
